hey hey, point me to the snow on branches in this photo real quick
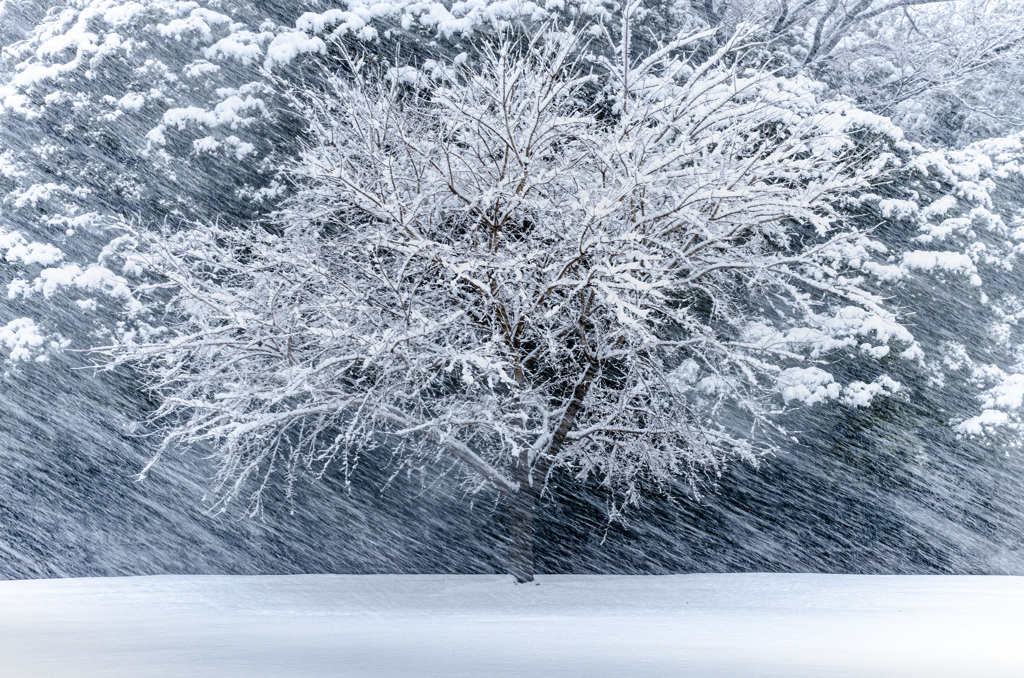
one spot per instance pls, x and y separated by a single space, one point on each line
529 265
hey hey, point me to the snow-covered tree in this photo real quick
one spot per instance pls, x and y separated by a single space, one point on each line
961 213
948 71
492 269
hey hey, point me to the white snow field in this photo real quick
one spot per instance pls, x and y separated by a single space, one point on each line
728 625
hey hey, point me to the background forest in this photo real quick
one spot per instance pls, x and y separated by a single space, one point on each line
902 457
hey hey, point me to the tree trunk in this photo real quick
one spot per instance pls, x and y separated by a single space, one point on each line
520 542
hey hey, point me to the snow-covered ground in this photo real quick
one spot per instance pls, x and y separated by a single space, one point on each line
484 626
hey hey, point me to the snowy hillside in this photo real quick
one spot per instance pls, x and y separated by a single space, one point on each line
694 625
